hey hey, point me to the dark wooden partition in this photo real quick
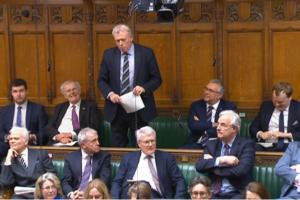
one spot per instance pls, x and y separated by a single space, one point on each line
249 44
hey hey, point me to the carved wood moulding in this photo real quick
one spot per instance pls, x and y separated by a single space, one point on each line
245 11
67 14
285 10
198 13
1 14
111 14
26 14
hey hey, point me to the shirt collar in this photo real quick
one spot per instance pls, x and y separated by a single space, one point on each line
84 155
76 104
229 143
144 156
23 105
130 50
215 106
24 153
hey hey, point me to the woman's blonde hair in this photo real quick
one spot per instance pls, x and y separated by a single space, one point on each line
100 186
48 176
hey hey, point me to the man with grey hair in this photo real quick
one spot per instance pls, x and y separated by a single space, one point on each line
71 116
229 159
204 114
85 164
22 165
159 168
129 67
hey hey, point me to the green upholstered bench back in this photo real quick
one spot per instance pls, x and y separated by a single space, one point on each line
169 133
245 124
262 174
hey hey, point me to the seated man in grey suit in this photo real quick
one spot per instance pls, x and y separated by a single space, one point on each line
71 116
85 164
159 168
22 165
288 168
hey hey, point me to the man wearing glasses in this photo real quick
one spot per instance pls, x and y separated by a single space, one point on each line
204 114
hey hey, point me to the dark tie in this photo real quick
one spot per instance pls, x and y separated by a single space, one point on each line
125 76
280 143
19 116
86 174
75 121
22 161
153 174
217 184
209 113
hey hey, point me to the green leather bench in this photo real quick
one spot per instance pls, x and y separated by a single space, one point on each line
170 133
262 174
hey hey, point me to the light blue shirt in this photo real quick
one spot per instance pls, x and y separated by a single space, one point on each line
131 65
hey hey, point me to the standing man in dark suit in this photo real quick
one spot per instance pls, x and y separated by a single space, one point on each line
128 67
204 114
278 121
23 165
156 167
85 164
228 160
22 113
288 168
71 116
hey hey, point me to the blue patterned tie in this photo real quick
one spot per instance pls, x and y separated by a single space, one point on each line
19 116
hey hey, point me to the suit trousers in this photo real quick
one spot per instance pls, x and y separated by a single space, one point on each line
120 125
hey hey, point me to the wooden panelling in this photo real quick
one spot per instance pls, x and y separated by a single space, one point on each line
286 59
163 48
29 60
103 41
70 61
244 68
197 64
248 44
4 71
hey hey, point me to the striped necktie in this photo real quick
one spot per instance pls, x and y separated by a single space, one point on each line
125 76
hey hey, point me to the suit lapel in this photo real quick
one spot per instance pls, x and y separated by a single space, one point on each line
234 146
10 116
291 116
78 169
137 63
219 147
95 165
219 109
82 113
32 159
63 112
134 161
28 114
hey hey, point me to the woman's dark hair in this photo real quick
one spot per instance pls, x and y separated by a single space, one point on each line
258 189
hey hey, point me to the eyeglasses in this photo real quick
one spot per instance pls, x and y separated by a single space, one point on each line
211 90
199 193
49 187
148 142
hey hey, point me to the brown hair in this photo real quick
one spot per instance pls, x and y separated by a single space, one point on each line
258 189
283 87
141 188
48 176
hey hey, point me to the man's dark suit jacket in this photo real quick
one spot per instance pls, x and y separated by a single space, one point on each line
16 175
262 120
199 109
36 120
101 168
89 116
239 176
146 74
171 181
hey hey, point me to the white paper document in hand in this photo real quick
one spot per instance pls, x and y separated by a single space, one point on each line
131 103
59 144
23 190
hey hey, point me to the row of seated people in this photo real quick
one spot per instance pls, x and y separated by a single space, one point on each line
276 124
227 161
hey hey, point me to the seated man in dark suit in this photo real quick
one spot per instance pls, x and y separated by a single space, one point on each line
71 116
22 165
22 113
228 160
88 163
159 168
204 114
288 168
278 121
